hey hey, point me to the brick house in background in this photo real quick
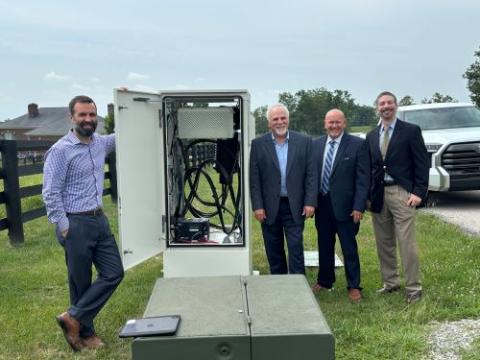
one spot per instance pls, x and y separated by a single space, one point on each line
48 123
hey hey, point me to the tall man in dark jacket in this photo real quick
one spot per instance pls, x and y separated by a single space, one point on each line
400 168
344 177
282 188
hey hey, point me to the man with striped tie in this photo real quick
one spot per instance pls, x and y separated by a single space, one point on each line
344 175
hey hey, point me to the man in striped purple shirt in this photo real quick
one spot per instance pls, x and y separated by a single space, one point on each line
72 192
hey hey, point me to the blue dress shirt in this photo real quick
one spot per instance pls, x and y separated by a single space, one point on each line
282 154
73 176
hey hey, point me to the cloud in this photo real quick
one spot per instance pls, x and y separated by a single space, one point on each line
56 77
182 87
81 87
136 76
94 79
144 88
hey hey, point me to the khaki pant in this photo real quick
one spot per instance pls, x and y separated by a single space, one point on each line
396 224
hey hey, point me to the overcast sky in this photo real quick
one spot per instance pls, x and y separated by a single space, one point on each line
53 50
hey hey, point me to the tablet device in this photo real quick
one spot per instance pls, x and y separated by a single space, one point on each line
151 326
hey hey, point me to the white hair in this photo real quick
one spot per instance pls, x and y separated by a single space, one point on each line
275 106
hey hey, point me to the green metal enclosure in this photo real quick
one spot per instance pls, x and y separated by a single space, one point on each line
238 317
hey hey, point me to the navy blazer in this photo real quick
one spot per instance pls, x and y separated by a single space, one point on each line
265 176
406 161
350 176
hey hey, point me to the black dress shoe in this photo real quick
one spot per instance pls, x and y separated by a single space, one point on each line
414 297
71 330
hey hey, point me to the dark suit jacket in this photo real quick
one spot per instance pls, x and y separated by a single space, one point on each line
265 176
406 162
350 176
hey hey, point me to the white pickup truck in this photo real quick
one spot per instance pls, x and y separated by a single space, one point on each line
452 135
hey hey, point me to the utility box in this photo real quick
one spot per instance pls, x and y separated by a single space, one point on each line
238 318
182 173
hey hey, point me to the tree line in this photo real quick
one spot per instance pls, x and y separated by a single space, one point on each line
308 107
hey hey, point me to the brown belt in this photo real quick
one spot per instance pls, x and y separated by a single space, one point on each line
94 212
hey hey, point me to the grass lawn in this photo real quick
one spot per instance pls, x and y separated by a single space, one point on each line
33 289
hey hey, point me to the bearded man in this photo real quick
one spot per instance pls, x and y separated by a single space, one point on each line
72 192
399 182
283 190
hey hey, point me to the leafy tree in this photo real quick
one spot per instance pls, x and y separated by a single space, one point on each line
406 100
260 115
439 98
289 100
312 106
308 108
473 79
363 115
109 124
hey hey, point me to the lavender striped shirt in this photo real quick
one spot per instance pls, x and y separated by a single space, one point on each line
73 176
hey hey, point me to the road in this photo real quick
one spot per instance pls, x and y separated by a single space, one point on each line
461 208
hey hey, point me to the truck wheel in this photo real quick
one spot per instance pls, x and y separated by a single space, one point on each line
431 199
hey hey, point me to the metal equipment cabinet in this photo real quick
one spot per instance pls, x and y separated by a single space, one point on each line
238 317
156 133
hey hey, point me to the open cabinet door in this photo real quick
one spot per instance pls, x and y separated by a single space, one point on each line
140 167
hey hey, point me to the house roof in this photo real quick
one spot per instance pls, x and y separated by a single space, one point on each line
50 121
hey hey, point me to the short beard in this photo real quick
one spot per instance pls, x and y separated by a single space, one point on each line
280 133
85 132
392 116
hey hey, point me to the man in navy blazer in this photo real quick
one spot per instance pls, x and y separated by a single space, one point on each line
282 189
343 181
400 168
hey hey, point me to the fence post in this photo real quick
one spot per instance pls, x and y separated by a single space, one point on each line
12 192
112 169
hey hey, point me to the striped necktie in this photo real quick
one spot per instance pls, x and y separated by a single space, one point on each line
327 168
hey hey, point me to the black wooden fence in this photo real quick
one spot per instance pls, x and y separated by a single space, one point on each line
12 192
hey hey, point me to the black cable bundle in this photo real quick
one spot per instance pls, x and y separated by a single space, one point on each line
226 167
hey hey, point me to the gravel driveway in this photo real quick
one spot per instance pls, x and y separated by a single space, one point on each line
461 208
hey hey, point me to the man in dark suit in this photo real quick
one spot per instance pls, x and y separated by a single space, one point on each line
344 177
400 168
282 189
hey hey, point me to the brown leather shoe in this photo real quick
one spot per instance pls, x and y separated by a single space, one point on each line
71 330
355 294
92 342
